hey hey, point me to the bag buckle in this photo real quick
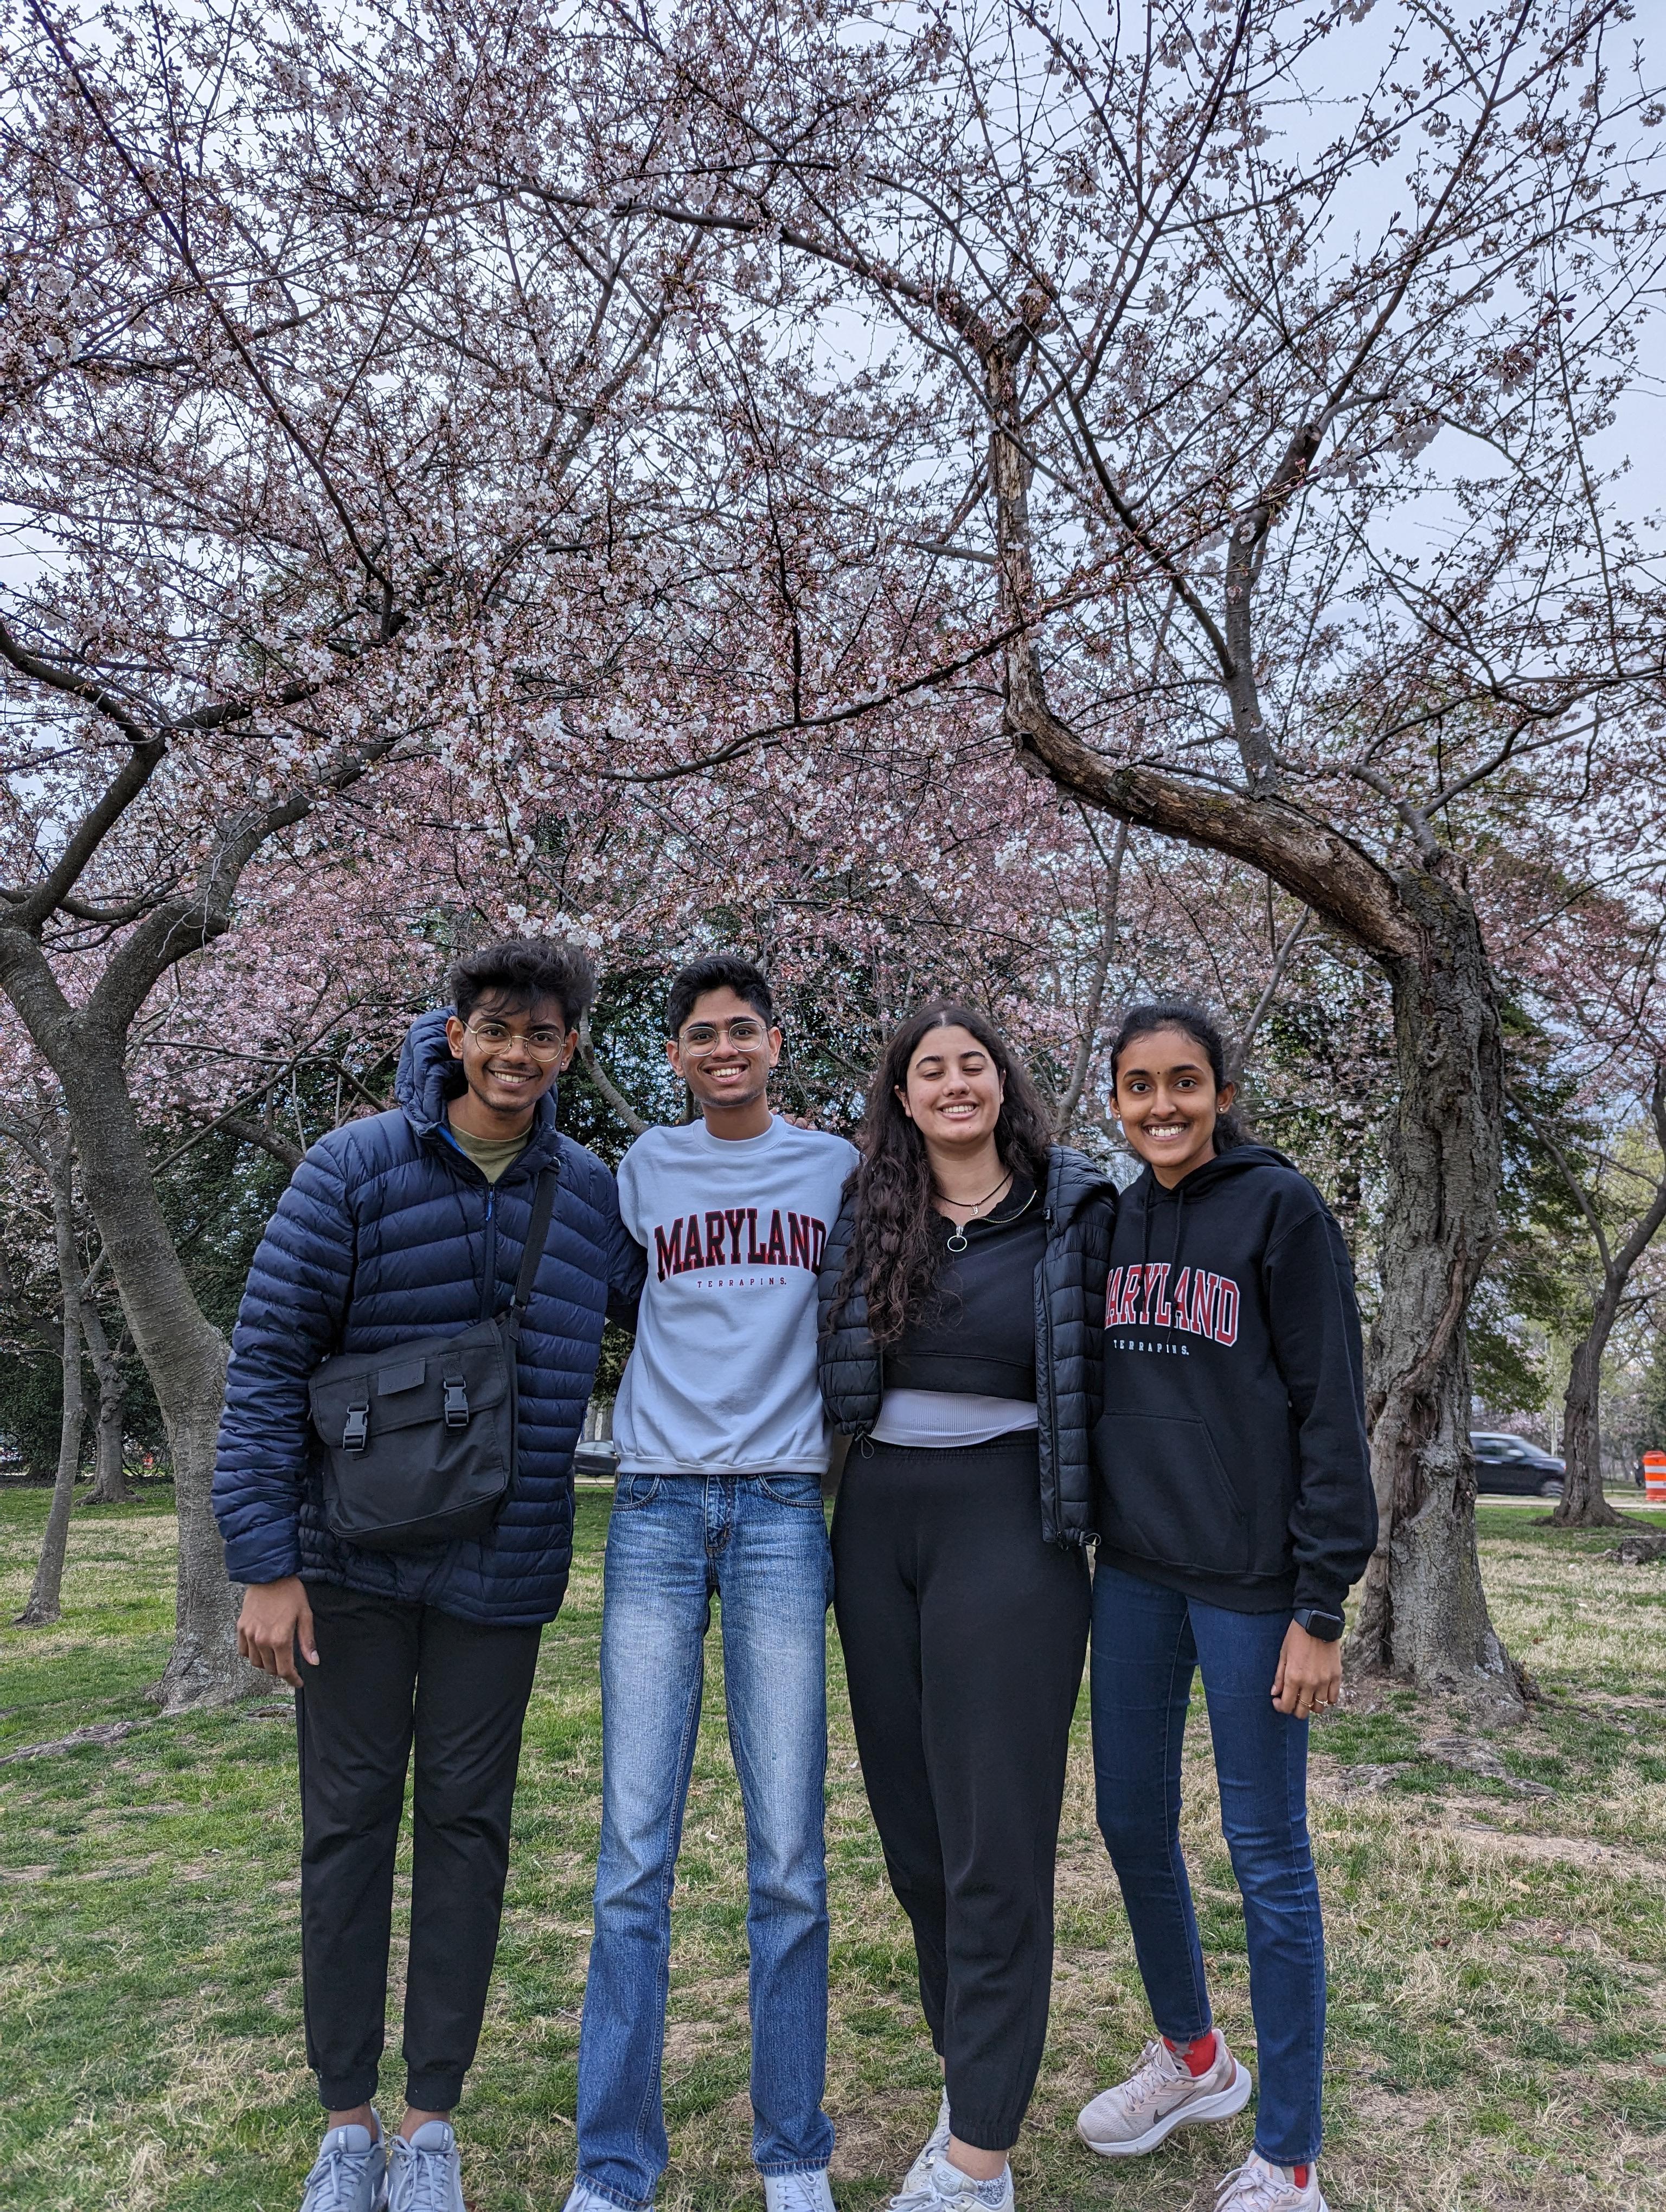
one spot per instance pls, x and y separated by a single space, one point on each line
457 1402
356 1435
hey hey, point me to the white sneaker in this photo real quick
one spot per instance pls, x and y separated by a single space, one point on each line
799 2193
1258 2187
933 2147
1162 2094
581 2197
944 2188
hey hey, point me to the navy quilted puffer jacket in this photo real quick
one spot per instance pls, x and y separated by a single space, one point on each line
385 1233
1079 1208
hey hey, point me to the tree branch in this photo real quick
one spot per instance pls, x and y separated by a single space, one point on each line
605 1083
1090 1035
1281 961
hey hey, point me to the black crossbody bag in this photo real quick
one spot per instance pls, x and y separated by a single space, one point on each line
419 1439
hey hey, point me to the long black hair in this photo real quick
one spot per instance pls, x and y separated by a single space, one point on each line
894 1252
1195 1022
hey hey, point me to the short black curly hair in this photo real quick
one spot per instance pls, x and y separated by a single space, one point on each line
521 970
718 971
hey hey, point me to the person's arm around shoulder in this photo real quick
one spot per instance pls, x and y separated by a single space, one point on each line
844 1395
626 1264
290 1320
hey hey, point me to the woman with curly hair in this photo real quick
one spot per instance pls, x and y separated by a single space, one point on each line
963 1298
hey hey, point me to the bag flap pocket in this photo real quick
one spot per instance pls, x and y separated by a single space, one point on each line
447 1384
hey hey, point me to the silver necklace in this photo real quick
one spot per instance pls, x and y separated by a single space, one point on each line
957 1237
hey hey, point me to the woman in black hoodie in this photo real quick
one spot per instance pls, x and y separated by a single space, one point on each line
1235 1509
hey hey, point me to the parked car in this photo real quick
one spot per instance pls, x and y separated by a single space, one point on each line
597 1456
1511 1467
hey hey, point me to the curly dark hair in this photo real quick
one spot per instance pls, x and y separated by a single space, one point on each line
894 1252
518 970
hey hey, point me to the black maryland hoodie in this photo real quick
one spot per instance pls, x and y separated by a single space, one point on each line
1232 1456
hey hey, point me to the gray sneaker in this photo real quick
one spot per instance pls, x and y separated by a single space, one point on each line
425 2174
350 2173
1160 2095
933 2147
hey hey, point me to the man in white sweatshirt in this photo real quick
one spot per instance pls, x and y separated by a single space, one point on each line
722 1446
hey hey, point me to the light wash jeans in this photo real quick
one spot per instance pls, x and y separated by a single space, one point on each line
759 1545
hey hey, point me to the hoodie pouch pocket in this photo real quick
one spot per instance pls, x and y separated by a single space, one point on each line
1165 1495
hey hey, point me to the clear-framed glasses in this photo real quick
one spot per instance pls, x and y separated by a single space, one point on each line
746 1031
543 1043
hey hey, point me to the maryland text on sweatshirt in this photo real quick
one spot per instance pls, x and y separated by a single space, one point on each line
1233 1457
722 1378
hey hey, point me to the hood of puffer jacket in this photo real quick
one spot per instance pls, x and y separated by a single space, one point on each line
430 1078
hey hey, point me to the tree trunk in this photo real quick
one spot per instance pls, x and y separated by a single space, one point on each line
1581 1504
45 1595
1423 1613
110 1477
183 1356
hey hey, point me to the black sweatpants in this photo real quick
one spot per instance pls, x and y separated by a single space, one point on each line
389 1672
963 1637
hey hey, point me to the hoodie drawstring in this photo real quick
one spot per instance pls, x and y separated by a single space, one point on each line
1145 1239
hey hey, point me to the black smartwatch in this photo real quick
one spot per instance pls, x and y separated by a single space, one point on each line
1326 1627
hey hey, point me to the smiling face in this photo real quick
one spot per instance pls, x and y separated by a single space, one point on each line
511 1054
1167 1103
954 1091
724 1052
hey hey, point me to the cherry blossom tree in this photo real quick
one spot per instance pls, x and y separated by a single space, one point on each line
1590 965
648 476
293 492
1245 372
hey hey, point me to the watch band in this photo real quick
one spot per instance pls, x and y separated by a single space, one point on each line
1318 1621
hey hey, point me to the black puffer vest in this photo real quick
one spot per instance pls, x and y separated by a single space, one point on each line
1080 1207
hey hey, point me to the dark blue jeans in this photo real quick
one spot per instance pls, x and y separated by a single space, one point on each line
1146 1642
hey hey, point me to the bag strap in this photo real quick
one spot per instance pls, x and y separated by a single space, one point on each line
537 1235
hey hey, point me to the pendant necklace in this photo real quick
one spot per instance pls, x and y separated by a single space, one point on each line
955 1241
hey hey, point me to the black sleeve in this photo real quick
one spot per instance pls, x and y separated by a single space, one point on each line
627 1263
1314 1324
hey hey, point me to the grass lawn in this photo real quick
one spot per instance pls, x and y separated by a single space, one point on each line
1496 1913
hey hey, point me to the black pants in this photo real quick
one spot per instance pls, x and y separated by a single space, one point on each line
388 1672
963 1637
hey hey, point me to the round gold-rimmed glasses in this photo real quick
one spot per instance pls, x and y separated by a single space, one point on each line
542 1043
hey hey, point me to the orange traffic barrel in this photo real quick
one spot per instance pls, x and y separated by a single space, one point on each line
1654 1478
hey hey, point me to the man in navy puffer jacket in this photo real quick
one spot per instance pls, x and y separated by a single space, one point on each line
390 1230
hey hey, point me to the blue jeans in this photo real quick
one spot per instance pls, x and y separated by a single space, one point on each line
759 1545
1146 1642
